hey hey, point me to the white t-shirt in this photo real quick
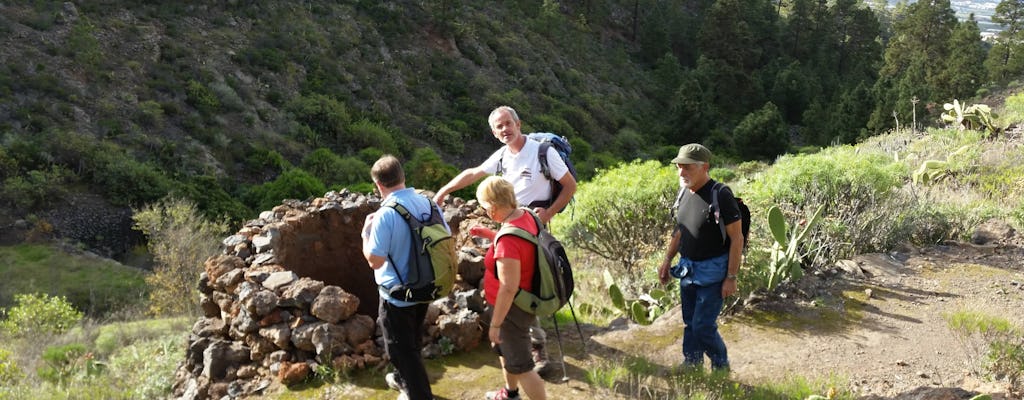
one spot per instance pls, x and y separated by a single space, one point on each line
523 171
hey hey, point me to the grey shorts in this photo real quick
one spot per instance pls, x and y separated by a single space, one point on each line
515 341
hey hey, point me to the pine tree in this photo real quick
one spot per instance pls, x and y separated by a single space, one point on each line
762 135
1006 59
738 37
919 39
965 69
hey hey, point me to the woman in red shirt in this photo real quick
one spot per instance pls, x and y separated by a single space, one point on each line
509 267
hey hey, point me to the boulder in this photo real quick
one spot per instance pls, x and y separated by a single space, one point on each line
334 305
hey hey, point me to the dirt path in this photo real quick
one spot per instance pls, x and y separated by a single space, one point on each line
878 326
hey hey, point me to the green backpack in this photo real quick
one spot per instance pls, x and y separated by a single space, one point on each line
432 259
552 283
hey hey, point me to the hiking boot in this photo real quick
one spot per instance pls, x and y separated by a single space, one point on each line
502 394
394 383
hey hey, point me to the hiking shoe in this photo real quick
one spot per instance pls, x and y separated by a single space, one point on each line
501 394
393 382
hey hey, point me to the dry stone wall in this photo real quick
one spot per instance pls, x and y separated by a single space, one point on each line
291 292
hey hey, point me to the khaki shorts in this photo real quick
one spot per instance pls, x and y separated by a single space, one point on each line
515 341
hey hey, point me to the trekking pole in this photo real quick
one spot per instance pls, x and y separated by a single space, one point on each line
561 350
583 340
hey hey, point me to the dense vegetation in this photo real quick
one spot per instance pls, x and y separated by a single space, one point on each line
237 104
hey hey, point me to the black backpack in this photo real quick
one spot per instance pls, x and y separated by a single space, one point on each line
552 283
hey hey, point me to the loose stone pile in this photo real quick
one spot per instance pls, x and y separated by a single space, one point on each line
291 292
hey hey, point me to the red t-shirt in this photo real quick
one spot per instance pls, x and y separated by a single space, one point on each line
511 247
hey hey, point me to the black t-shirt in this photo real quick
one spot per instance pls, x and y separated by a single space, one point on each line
701 237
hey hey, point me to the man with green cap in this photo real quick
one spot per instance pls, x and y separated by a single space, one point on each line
709 256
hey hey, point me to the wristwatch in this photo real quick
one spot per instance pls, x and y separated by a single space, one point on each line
730 276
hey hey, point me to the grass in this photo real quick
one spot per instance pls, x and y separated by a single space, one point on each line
93 285
123 360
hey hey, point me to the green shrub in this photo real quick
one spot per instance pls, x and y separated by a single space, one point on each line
622 214
180 241
202 98
294 183
326 118
995 339
39 314
145 369
212 199
65 361
83 44
863 209
762 134
366 133
334 170
37 188
449 139
427 171
150 114
10 372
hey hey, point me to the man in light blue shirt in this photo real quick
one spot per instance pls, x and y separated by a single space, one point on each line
386 245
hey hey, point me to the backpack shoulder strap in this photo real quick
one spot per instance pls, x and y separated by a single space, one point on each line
501 159
542 155
520 232
718 211
404 212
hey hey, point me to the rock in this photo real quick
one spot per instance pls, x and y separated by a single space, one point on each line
260 303
209 307
234 240
209 327
220 264
472 300
992 231
280 335
334 305
247 372
471 265
329 340
851 268
278 279
462 328
301 293
292 373
259 347
244 323
359 329
266 241
276 317
302 336
230 280
221 356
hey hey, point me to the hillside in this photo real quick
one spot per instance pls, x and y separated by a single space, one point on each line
132 101
236 105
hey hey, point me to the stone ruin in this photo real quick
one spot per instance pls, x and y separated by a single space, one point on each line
291 292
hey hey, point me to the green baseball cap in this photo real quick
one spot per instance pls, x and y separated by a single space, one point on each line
692 153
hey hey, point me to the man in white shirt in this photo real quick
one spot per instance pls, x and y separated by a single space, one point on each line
518 162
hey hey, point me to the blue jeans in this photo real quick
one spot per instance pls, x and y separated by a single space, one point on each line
701 307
